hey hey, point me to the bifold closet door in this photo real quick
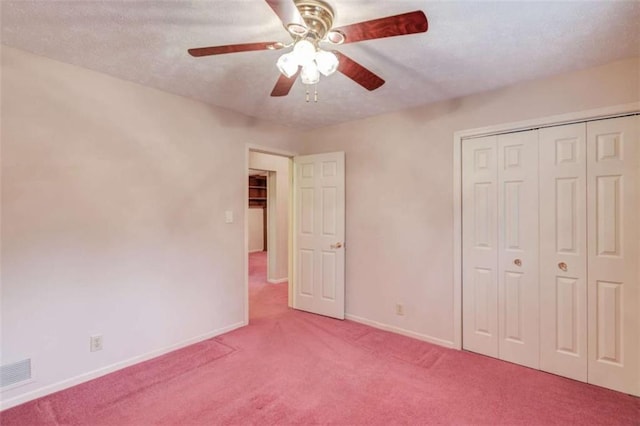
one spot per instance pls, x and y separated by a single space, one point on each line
480 246
551 250
518 319
613 206
500 247
563 251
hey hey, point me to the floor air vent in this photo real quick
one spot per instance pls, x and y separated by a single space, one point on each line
17 372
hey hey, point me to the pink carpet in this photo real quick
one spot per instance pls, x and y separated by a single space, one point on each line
290 367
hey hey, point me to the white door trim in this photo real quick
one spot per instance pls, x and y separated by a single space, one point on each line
554 120
272 219
272 151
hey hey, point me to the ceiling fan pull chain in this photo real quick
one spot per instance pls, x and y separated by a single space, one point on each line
307 95
315 94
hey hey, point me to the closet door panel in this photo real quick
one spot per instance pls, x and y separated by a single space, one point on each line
613 286
480 246
518 248
563 251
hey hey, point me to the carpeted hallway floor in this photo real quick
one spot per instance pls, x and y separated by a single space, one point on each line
290 367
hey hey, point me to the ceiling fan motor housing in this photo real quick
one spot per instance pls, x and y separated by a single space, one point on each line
318 15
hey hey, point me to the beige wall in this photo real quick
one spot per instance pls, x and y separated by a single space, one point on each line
255 225
400 190
279 246
113 212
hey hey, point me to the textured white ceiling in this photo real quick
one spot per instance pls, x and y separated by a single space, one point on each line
471 46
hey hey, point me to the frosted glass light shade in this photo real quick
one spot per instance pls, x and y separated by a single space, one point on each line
288 65
327 62
304 52
310 74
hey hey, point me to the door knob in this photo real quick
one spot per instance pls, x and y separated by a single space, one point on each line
563 266
336 245
518 262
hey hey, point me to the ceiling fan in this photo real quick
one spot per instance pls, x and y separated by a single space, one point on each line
310 24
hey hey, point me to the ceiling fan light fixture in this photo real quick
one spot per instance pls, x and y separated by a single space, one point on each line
288 65
310 74
304 52
335 37
297 30
326 62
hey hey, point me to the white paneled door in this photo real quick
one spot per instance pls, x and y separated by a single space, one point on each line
518 248
480 245
563 251
500 247
613 204
551 250
319 231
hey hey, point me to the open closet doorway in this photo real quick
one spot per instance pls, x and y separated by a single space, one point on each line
268 217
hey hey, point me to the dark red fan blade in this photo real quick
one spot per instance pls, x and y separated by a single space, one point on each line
391 26
283 85
358 73
286 11
230 48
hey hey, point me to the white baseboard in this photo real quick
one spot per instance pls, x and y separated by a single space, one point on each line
256 251
64 384
402 331
278 281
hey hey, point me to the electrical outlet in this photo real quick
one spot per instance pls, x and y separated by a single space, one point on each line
95 343
399 309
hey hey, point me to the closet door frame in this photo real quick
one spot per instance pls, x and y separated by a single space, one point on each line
459 136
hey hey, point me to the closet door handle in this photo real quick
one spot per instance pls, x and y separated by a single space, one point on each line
336 245
517 262
563 266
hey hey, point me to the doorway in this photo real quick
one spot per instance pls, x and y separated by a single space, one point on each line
268 217
313 261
